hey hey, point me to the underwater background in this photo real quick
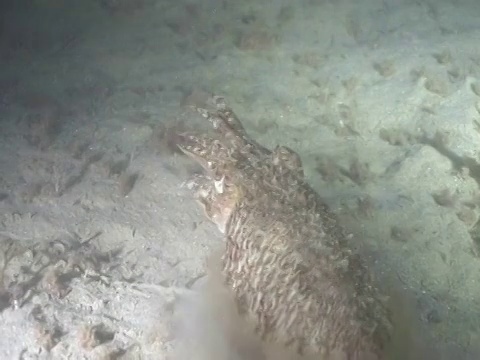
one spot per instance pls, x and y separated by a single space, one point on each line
98 238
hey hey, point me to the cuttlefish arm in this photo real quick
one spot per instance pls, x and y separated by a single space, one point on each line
214 191
226 123
211 154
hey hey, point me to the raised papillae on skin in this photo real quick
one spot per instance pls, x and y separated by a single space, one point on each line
290 267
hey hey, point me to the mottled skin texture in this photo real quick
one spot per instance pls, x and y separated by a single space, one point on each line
287 261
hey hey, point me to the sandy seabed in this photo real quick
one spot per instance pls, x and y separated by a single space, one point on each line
99 240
